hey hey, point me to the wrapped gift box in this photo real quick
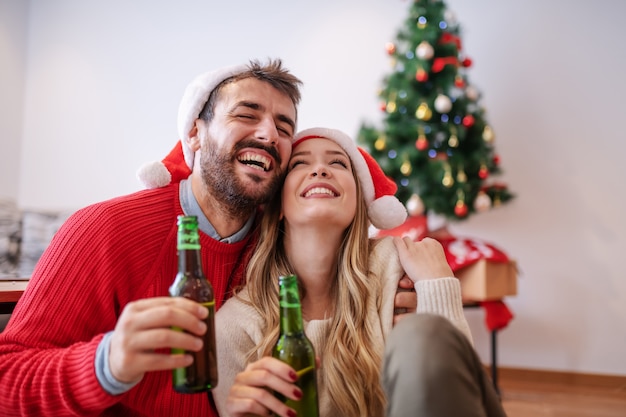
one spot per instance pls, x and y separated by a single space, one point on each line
485 280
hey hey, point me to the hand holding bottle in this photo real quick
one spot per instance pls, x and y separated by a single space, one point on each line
144 326
254 388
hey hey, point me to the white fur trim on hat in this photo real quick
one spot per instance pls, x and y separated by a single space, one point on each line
384 212
195 97
154 175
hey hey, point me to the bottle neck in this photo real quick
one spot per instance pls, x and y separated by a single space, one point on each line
188 245
189 261
290 307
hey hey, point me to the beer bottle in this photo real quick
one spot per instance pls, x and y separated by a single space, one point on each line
294 348
191 283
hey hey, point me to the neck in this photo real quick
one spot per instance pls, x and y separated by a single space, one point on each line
313 253
225 219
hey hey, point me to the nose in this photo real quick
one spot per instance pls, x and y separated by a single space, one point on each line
267 131
321 171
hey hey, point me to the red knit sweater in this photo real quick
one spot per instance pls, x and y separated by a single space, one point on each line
103 257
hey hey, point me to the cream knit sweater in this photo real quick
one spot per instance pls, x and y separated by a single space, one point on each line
238 327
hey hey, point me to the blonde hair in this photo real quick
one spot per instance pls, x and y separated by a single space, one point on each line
349 349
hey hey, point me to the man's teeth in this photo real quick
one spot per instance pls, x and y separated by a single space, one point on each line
255 161
319 190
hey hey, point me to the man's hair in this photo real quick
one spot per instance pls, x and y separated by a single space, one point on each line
272 72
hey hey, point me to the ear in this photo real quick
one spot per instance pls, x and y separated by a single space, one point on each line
193 140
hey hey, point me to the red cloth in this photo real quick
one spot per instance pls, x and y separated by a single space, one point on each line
103 257
497 314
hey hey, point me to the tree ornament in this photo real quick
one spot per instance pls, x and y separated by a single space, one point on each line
453 141
450 17
421 143
467 62
459 81
406 168
461 177
447 180
460 209
424 50
468 121
496 159
383 106
423 112
380 143
471 93
482 202
443 104
391 48
488 135
415 205
483 172
421 75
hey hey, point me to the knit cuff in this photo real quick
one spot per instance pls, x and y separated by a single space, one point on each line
442 296
103 369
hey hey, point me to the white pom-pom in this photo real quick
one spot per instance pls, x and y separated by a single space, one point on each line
154 175
387 212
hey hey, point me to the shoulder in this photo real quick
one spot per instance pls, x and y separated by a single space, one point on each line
237 318
384 258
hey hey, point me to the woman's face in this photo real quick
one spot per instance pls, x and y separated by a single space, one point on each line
319 185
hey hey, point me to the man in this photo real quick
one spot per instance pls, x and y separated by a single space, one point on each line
92 333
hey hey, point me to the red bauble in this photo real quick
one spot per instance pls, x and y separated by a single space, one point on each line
467 62
483 173
391 48
460 209
383 106
468 121
459 82
421 75
421 144
496 159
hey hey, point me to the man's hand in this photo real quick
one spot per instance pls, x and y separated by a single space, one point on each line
145 325
252 391
405 301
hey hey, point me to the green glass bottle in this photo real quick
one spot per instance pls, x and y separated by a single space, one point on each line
294 348
190 282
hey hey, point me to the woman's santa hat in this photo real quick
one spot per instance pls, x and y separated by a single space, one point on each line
384 210
178 164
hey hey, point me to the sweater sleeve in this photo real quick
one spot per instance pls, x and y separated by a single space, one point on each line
47 351
441 296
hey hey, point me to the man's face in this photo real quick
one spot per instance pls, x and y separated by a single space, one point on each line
245 148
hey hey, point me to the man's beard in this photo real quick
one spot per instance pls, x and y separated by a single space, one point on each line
219 176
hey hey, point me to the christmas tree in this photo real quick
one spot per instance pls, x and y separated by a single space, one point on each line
435 142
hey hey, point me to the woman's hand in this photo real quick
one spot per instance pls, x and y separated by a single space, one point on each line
253 389
422 260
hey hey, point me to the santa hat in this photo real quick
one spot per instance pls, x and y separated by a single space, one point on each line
172 169
384 210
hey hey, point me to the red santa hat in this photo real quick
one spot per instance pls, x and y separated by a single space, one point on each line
384 210
177 165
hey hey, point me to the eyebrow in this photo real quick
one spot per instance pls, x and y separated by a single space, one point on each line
328 152
256 106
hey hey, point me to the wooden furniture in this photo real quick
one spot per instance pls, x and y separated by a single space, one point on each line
10 292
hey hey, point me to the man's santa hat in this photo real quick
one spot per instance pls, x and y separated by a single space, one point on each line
384 210
178 164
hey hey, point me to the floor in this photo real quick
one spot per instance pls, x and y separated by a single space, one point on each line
546 397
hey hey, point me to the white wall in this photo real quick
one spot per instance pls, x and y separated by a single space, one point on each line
13 21
104 78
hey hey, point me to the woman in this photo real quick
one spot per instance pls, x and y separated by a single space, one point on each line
318 229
